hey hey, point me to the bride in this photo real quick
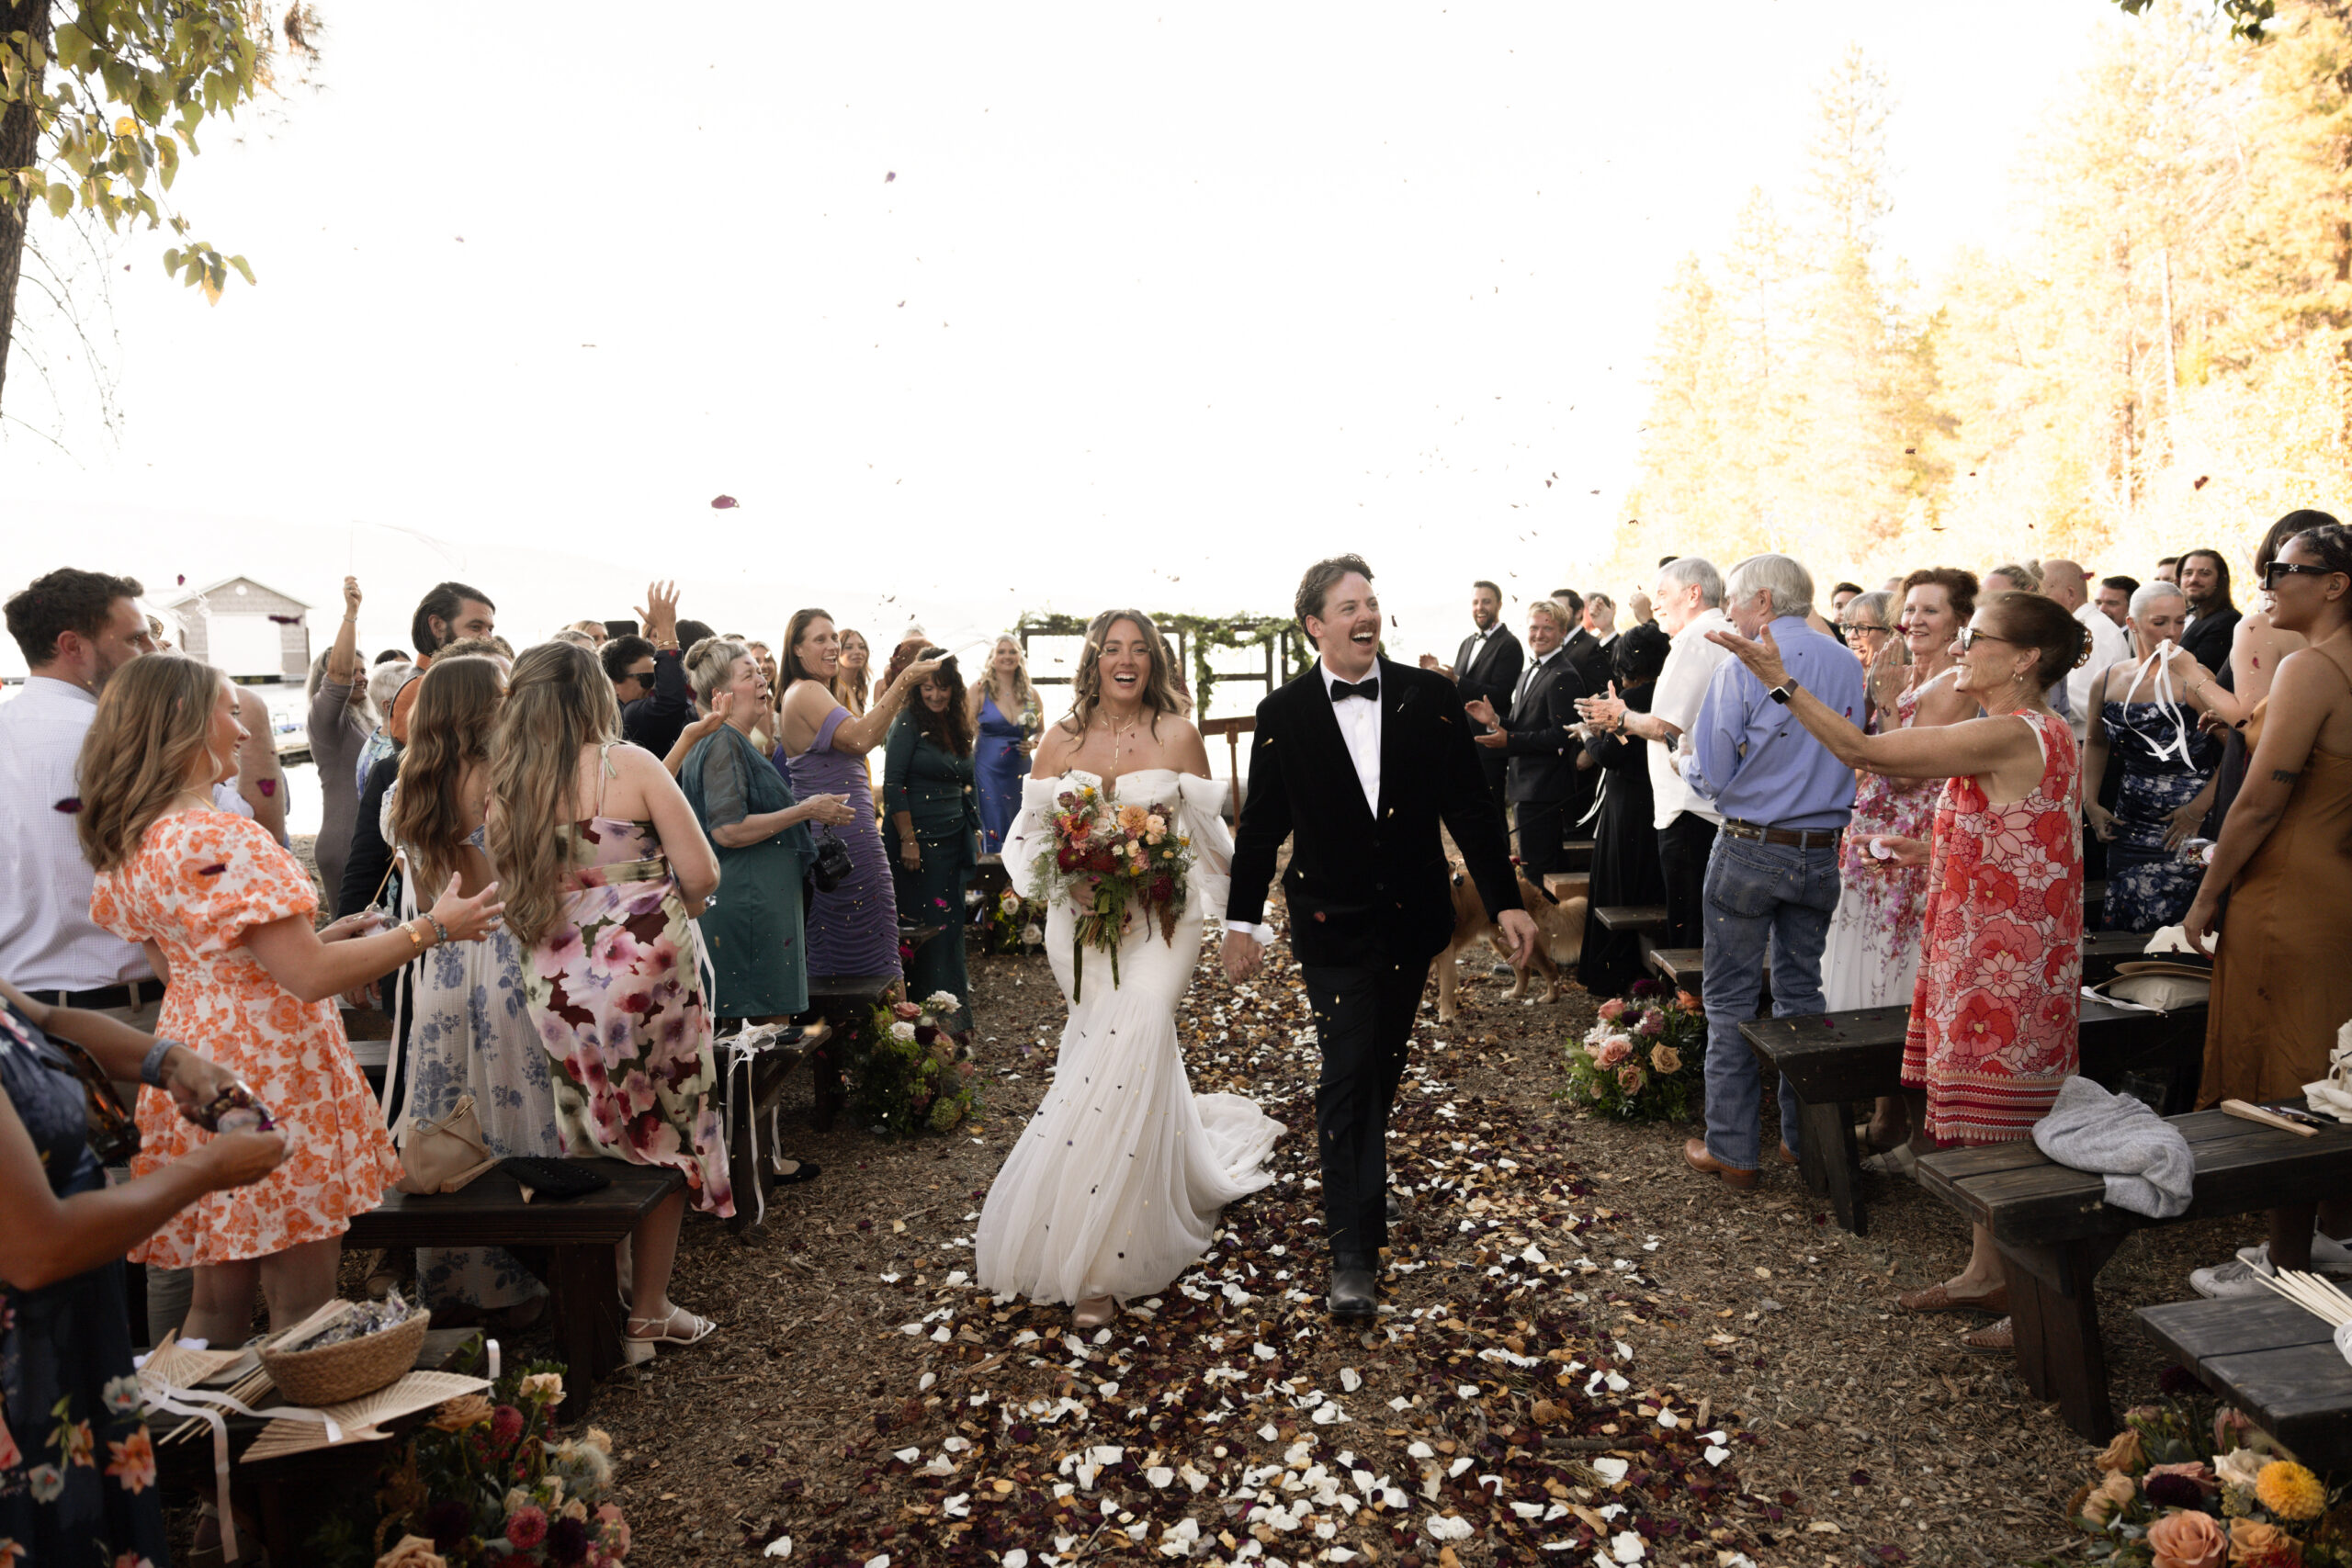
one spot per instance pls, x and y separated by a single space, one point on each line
1113 1188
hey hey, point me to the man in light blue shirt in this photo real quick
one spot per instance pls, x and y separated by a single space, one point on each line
1772 875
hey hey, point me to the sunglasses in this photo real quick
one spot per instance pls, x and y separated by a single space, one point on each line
643 677
1969 636
2277 569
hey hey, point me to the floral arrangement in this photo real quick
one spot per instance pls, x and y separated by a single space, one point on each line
1645 1061
910 1069
2179 1490
1113 862
487 1481
1013 924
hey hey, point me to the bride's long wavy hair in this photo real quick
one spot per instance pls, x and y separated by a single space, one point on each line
1160 693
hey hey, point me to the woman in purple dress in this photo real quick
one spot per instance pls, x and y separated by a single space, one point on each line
854 929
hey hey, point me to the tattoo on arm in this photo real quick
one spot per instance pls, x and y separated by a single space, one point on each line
2285 776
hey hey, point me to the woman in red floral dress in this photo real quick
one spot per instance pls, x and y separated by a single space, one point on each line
1994 1018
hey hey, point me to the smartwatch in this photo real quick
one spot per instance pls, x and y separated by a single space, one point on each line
1785 689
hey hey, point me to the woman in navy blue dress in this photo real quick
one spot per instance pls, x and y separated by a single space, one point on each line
1005 714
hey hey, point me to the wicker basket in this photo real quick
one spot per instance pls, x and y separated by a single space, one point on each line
338 1372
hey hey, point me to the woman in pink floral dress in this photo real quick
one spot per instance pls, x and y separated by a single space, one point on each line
1994 1018
605 868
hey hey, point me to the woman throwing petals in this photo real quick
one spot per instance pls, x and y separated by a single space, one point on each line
1994 1016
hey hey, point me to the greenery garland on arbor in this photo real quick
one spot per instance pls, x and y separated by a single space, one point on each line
1203 633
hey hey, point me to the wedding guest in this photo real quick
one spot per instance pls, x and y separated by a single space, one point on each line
1772 879
1638 606
340 722
854 929
2064 583
385 679
467 1029
2212 619
1688 593
225 915
83 1493
2114 598
1624 843
604 867
1841 596
1538 736
1994 1018
1005 716
2281 989
931 823
756 935
258 777
855 674
1487 668
2166 761
594 631
450 611
2168 570
2013 578
574 635
2257 647
648 674
1600 619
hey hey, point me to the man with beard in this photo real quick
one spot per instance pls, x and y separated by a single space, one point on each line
1486 667
2212 619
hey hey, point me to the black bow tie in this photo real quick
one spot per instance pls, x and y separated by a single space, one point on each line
1341 691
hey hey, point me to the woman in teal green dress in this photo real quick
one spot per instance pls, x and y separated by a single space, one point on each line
933 825
753 929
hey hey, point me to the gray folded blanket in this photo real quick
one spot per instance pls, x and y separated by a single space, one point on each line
2148 1167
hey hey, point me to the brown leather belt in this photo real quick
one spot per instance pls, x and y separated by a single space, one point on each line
1803 838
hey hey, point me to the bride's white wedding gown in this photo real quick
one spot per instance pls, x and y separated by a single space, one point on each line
1114 1185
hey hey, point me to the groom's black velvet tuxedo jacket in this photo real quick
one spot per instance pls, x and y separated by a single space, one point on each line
1361 885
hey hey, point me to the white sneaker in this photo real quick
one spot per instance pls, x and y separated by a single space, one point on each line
2238 1277
2329 1255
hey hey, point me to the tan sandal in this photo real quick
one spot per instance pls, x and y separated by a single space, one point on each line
1992 1339
1094 1312
1936 1298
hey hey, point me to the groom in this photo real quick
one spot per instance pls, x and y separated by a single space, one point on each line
1356 762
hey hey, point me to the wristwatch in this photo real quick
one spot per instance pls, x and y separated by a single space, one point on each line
1785 689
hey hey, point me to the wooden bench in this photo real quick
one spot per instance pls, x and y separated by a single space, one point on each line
1835 1061
2056 1230
2273 1361
752 1088
843 1001
1681 967
1576 854
566 1242
1643 919
1564 885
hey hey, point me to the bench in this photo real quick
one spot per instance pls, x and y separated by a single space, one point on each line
1564 885
1576 854
1681 967
843 1001
2273 1361
2056 1230
753 1082
1834 1061
1643 919
568 1243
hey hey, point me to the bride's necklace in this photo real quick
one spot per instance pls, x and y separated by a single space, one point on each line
1116 731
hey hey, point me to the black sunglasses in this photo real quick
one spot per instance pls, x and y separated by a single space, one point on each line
2279 569
643 677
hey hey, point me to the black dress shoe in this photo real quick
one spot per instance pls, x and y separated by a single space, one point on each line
1398 1206
1354 1296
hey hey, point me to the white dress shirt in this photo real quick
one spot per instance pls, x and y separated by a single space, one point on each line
2109 645
1527 676
1359 719
1682 689
48 941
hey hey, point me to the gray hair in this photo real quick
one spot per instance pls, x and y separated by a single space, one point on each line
1685 571
1788 583
385 681
1879 603
2148 593
710 663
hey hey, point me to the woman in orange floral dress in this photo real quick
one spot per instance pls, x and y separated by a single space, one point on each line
225 915
1994 1017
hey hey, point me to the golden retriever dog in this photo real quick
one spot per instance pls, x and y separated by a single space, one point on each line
1559 939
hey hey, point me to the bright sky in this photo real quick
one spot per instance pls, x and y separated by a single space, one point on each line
1155 309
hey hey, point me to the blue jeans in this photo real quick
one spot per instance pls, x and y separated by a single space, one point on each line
1758 896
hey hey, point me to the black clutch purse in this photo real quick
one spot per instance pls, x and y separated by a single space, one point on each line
832 867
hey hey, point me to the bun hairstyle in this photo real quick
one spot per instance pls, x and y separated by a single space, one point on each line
2031 621
708 664
2331 541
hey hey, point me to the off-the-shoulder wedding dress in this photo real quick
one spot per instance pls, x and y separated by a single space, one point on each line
1114 1185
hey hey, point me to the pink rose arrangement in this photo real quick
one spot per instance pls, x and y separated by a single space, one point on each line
1641 1061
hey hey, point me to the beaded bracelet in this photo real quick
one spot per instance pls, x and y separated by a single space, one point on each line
439 929
150 1070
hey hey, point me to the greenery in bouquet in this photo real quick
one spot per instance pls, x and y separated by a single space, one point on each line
2190 1485
487 1481
1013 924
1113 863
908 1071
1644 1060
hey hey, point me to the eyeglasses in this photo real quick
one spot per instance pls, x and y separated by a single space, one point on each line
2279 569
1969 636
1852 630
643 677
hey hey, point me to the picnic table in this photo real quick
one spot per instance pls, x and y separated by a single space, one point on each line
2057 1231
566 1242
1834 1061
2273 1361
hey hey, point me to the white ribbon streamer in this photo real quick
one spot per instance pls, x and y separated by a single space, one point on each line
2165 699
175 1400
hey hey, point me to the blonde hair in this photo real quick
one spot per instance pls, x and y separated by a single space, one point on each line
559 703
155 720
708 664
448 733
986 683
1160 693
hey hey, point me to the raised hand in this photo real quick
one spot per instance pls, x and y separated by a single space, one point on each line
1608 710
1762 658
661 620
351 597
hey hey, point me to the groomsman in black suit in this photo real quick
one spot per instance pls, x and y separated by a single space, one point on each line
1487 666
1583 649
1357 763
1536 736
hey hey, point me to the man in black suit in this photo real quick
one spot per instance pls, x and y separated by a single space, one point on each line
1582 648
1356 763
2212 619
1487 666
1535 734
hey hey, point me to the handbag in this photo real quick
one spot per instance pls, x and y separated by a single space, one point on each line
444 1155
2163 987
113 1127
832 867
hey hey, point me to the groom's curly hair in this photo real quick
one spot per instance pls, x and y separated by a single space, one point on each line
1316 585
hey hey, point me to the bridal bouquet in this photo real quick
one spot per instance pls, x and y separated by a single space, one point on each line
1113 863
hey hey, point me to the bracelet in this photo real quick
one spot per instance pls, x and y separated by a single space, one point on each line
151 1071
408 929
439 929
